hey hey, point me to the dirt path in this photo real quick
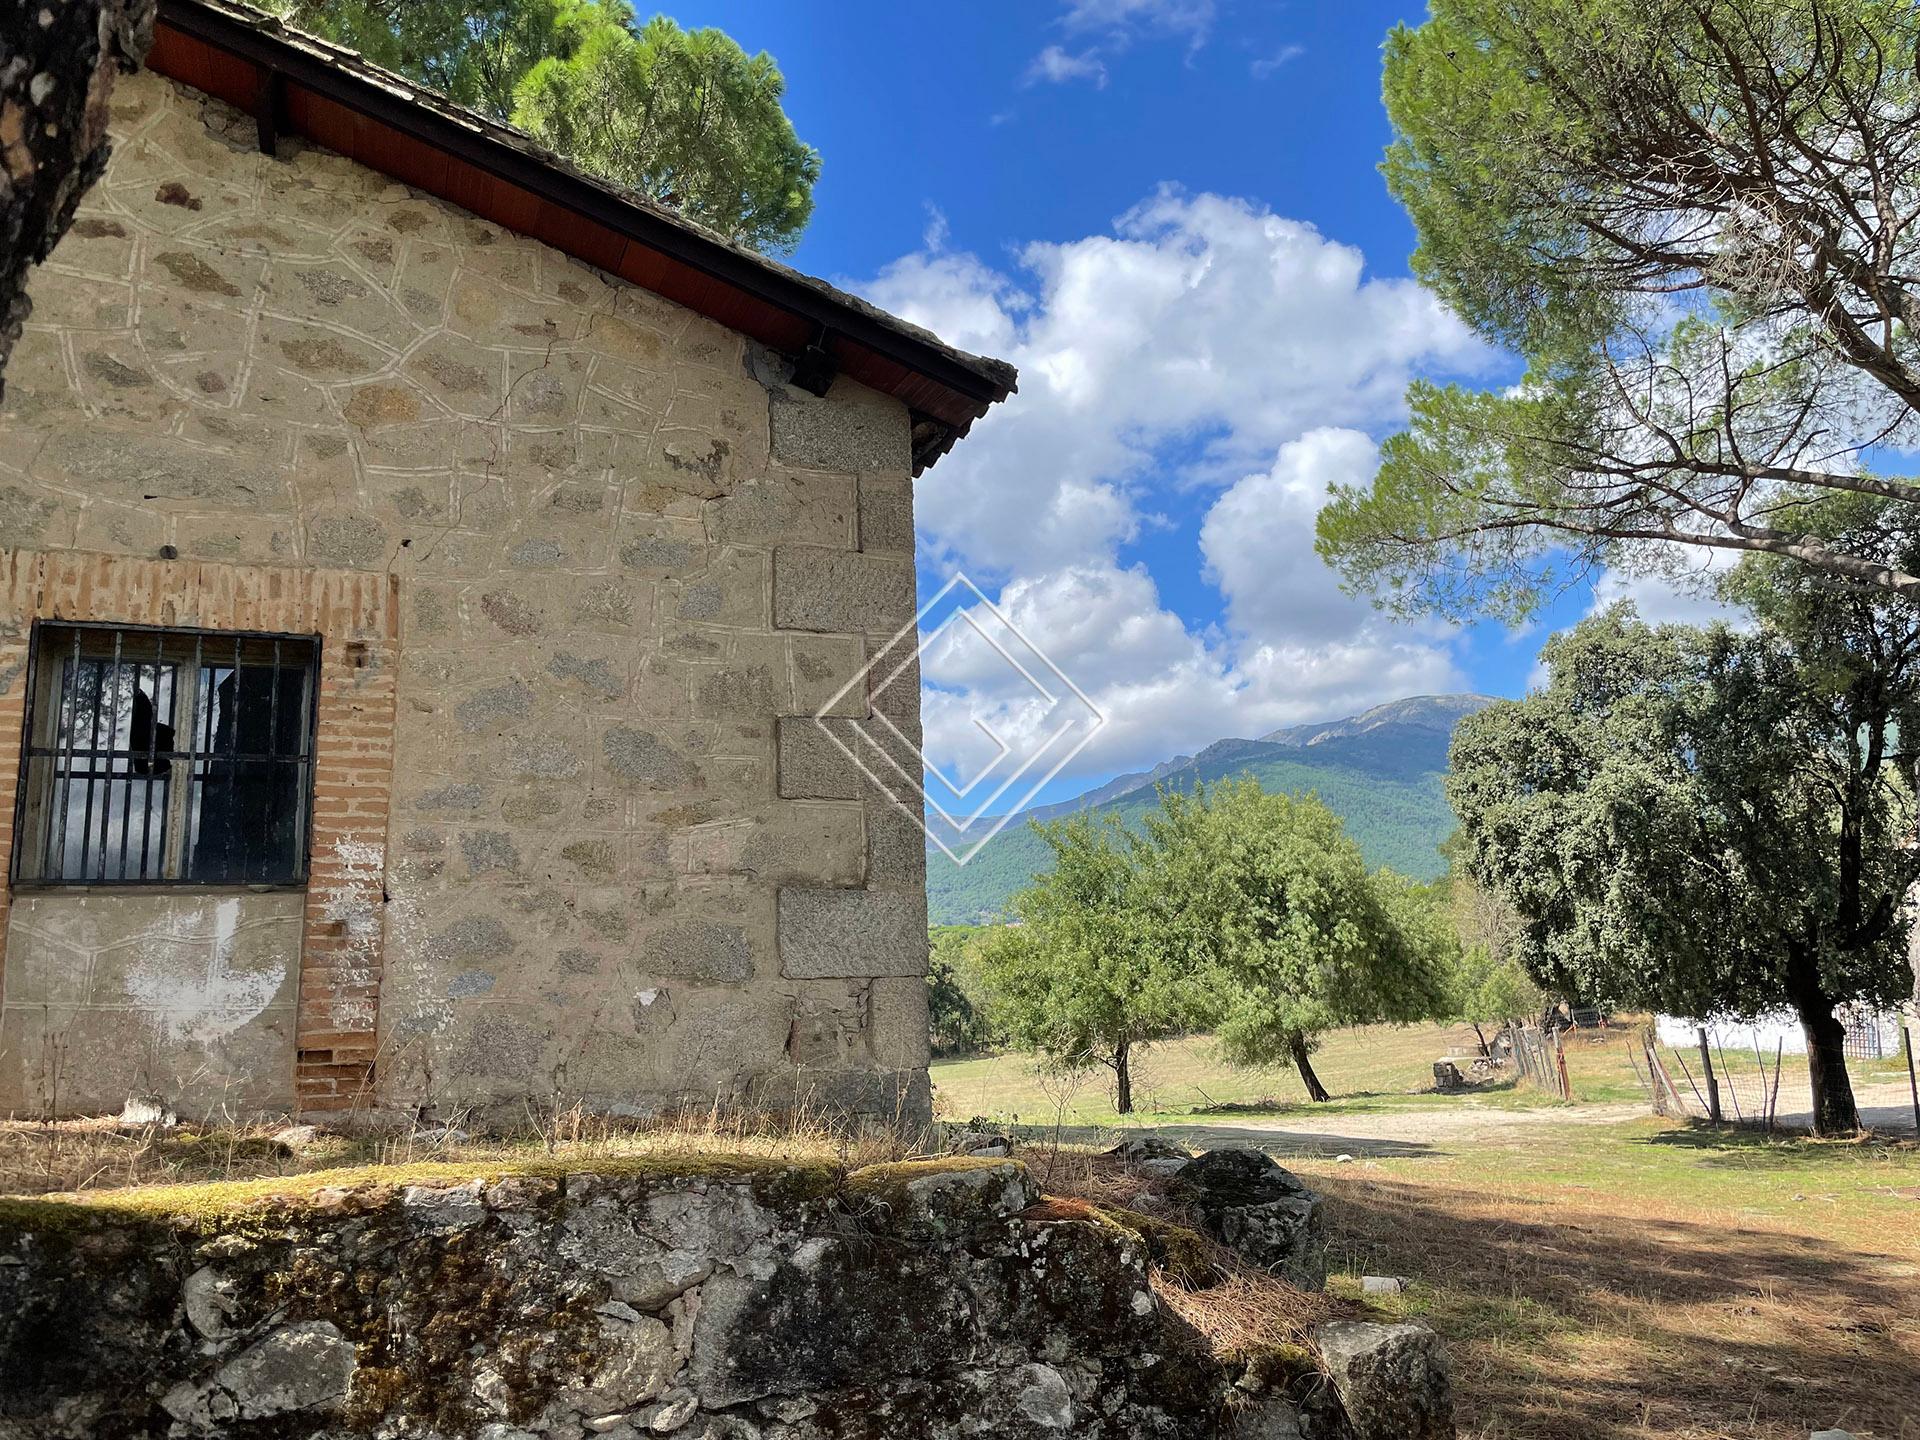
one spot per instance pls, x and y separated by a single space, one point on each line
1392 1132
1449 1130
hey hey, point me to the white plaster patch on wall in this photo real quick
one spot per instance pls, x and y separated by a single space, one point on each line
413 976
200 1004
354 903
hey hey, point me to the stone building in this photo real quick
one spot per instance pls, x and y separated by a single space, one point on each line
420 569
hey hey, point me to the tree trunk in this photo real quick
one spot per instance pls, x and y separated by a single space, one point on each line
54 93
1304 1064
1481 1035
1834 1112
1122 1080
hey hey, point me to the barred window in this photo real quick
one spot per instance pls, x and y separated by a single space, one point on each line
158 757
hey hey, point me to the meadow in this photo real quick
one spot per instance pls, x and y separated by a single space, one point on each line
1600 1273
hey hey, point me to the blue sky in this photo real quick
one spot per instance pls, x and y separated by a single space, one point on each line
1169 214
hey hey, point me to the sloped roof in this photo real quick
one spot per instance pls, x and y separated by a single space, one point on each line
295 83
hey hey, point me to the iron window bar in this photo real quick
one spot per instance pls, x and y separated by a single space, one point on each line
110 796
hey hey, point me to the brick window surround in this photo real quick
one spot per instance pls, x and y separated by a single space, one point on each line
357 616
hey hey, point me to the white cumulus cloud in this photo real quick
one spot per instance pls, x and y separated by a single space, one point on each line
1679 592
1199 318
1203 347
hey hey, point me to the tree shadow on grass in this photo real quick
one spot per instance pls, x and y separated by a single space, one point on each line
1579 1319
1743 1146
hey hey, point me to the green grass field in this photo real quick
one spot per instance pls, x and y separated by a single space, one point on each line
1379 1067
1599 1273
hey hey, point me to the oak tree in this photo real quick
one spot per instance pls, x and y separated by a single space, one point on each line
1272 904
1091 971
1710 822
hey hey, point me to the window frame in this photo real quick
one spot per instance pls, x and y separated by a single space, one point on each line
32 810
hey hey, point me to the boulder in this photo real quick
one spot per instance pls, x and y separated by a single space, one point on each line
1447 1076
296 1138
1261 1212
1382 1284
142 1111
1394 1381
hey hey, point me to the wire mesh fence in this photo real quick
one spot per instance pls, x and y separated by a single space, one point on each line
1764 1085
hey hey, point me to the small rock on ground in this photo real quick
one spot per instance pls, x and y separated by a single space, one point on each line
987 1144
1149 1147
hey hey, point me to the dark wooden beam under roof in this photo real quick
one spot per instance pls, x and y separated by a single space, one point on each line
294 84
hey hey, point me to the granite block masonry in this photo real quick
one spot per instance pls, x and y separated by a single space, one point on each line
583 567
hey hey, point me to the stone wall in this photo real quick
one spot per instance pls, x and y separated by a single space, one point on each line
628 560
729 1301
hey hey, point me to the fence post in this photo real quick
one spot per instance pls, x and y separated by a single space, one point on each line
1913 1086
1560 1055
1669 1102
1773 1099
1713 1085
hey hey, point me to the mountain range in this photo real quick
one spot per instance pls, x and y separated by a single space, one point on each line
1380 771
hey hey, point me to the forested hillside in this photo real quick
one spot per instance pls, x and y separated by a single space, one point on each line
1379 771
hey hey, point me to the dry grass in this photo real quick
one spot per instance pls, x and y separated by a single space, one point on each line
1228 1308
38 1158
1248 1314
1659 1282
1367 1068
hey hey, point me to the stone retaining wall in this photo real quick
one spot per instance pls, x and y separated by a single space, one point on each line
708 1298
728 1301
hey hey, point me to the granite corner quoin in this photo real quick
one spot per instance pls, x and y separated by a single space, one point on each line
582 565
